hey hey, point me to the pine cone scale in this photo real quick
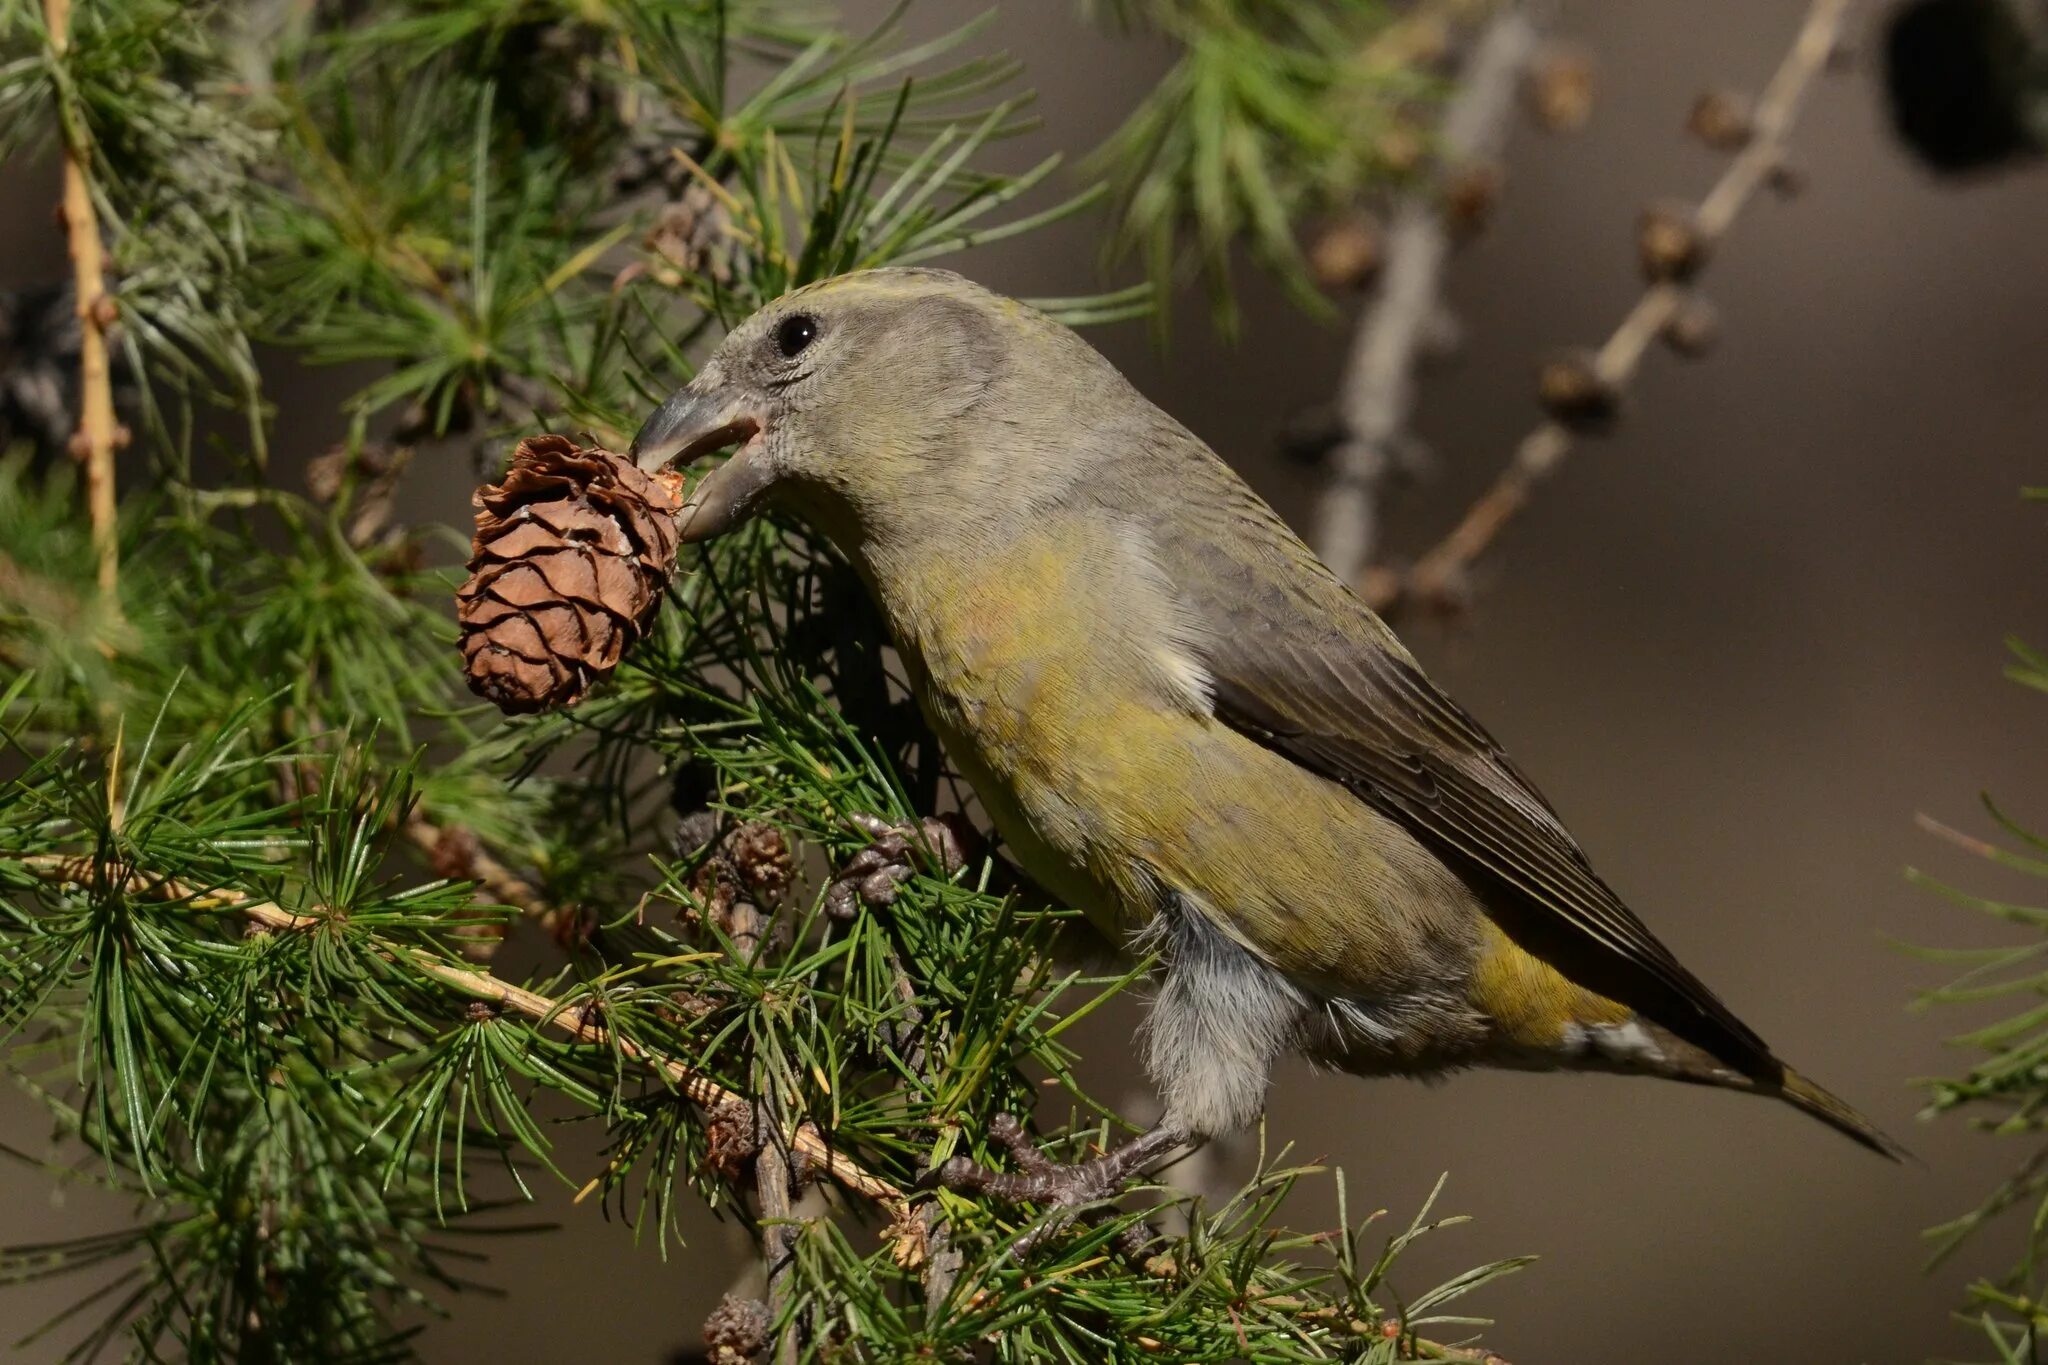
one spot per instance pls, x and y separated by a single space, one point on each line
522 586
523 540
569 522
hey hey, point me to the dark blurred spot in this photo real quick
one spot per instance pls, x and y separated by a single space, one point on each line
1959 76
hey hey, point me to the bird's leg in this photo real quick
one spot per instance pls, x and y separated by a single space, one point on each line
1040 1180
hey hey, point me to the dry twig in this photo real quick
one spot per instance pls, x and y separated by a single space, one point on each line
1439 576
98 432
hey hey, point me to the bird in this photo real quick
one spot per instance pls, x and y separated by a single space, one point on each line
1182 723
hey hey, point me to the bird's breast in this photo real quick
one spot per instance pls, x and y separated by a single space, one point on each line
1048 667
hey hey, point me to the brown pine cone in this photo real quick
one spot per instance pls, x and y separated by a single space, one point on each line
737 1330
572 554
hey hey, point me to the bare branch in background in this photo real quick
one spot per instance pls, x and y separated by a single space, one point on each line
1378 389
1673 247
456 853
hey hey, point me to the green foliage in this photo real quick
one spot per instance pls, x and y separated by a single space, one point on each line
140 99
247 803
1231 1288
1271 113
2004 1092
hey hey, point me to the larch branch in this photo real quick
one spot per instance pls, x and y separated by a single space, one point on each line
1438 576
84 872
771 1168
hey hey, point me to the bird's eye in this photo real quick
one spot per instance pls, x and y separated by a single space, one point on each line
795 332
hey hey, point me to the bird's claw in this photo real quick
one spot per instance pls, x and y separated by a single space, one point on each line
1066 1189
1038 1179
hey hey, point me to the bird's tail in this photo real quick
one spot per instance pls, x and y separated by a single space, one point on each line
1764 1074
1832 1110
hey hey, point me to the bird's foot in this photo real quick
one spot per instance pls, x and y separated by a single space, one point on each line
1066 1188
871 876
1040 1180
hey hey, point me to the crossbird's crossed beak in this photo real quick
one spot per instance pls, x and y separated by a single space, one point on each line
696 420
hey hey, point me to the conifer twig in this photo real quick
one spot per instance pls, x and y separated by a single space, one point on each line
778 1237
580 1024
1438 575
97 429
771 1167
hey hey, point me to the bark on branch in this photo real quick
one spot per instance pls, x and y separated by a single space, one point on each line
98 432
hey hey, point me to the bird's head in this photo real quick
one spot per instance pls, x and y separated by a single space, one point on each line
859 398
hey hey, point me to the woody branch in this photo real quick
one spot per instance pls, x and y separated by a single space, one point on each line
98 432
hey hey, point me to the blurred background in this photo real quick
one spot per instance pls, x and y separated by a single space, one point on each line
1740 643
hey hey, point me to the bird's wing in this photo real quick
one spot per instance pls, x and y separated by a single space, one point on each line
1301 665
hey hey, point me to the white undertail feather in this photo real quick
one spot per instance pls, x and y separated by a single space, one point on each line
1623 1043
1187 678
1220 1020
